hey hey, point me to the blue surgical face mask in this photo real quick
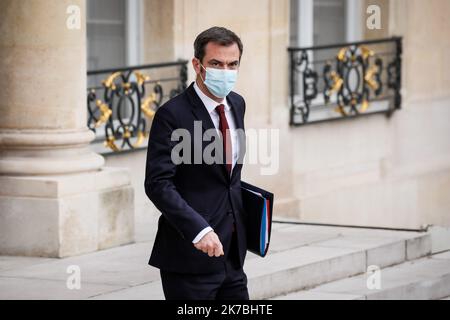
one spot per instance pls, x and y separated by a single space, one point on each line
219 81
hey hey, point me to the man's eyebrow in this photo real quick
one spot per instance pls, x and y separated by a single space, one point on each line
218 61
215 60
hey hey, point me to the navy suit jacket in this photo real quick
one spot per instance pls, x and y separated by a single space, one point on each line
192 196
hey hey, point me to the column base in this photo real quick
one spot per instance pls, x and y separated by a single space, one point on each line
66 215
51 152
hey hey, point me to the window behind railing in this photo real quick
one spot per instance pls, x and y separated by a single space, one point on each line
106 34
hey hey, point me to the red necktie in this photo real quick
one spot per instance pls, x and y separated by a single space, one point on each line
223 127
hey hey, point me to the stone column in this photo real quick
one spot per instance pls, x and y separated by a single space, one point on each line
56 199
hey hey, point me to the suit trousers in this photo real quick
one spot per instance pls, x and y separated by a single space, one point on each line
229 284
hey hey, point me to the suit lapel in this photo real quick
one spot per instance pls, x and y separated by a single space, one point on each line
237 117
239 122
198 109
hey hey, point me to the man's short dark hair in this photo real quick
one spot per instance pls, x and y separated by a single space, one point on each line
218 35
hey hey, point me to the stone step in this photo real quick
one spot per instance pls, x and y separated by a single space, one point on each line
422 279
303 256
300 257
326 260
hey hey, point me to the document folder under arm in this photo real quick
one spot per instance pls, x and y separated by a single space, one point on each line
258 204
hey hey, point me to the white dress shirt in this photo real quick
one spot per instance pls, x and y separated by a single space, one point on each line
211 105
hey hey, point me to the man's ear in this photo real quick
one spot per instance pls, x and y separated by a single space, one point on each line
196 65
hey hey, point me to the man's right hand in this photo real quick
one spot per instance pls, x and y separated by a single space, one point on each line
210 244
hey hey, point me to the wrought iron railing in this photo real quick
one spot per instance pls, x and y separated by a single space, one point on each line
345 80
122 101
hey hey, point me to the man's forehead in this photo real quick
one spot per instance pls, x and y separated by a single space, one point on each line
222 53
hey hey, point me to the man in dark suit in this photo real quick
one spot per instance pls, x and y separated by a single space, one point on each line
201 244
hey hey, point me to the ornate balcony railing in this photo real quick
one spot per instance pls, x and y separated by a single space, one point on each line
122 101
345 80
